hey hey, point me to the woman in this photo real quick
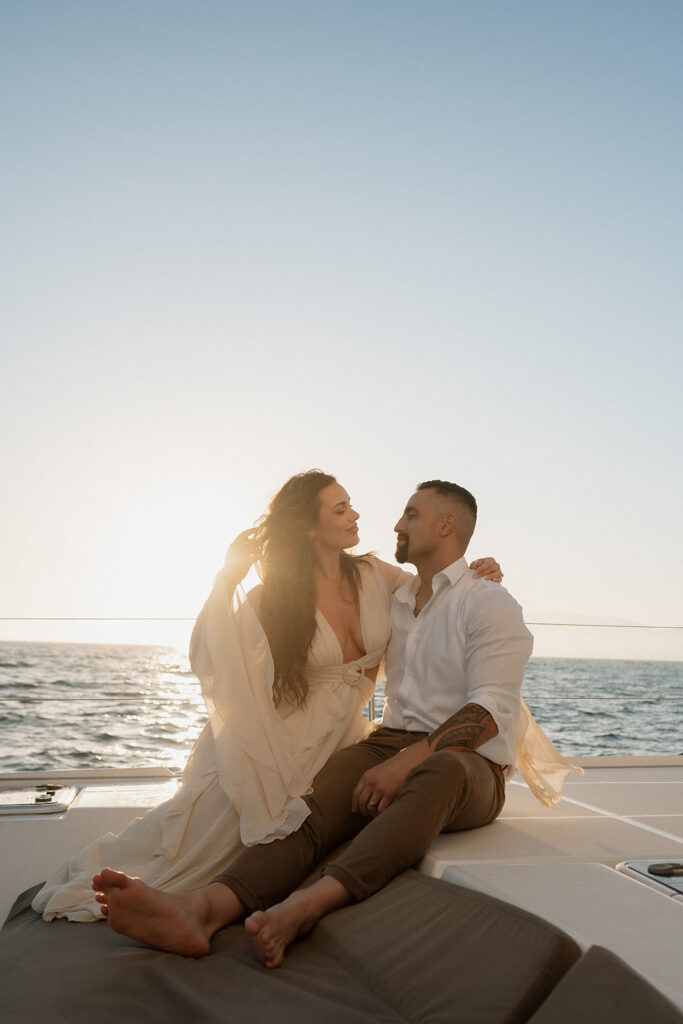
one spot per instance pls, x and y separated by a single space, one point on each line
285 672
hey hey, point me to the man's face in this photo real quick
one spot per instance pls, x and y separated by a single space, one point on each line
417 531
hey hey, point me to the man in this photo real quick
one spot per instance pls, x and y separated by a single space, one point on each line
437 762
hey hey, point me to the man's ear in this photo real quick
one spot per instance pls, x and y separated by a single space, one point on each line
448 524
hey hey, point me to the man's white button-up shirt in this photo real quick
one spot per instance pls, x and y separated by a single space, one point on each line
467 645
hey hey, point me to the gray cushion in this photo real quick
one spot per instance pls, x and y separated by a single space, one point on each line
441 952
87 974
420 950
602 989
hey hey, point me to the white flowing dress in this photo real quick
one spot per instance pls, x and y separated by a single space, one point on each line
253 763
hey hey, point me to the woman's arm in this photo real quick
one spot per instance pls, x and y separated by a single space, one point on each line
394 577
240 557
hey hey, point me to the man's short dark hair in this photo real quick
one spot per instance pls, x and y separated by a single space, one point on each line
462 497
449 490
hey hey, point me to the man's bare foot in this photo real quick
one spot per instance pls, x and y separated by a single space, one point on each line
271 931
174 922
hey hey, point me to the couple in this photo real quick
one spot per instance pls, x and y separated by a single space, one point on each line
285 674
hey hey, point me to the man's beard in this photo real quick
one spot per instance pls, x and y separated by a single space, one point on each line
401 555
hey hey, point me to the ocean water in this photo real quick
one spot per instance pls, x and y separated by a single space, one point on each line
98 705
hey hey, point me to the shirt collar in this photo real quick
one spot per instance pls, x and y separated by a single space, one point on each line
448 577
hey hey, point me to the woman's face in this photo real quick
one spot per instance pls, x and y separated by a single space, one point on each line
336 526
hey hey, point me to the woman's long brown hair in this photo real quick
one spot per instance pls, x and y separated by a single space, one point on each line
287 568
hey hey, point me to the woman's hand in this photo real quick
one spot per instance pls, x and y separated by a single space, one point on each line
487 569
242 554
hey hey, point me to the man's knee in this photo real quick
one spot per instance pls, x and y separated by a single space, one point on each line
458 778
450 768
472 787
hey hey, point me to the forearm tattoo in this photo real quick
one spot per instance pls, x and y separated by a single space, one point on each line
467 729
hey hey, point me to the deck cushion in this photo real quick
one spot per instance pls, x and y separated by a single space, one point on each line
440 952
602 989
420 950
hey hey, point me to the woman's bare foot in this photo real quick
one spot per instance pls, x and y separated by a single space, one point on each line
271 931
174 922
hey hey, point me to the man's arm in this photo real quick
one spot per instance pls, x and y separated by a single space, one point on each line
499 645
467 729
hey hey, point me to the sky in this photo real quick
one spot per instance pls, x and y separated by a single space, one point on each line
394 240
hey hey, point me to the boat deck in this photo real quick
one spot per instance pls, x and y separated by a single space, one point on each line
569 864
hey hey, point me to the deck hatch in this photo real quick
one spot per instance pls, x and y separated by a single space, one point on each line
640 869
46 798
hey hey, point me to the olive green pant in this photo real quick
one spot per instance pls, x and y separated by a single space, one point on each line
450 790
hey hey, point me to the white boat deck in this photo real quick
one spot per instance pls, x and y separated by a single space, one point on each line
564 864
33 845
568 864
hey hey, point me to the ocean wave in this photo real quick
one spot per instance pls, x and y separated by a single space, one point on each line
117 706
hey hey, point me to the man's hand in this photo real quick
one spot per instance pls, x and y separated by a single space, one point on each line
379 786
466 730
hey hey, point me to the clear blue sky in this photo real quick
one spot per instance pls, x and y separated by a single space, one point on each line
394 240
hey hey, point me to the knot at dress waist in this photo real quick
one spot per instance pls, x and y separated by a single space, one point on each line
351 674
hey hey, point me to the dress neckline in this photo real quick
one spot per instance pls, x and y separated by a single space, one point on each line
322 618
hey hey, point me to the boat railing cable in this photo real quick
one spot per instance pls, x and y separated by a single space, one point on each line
197 699
188 618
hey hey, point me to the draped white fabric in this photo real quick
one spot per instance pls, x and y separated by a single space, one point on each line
541 766
267 756
252 763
